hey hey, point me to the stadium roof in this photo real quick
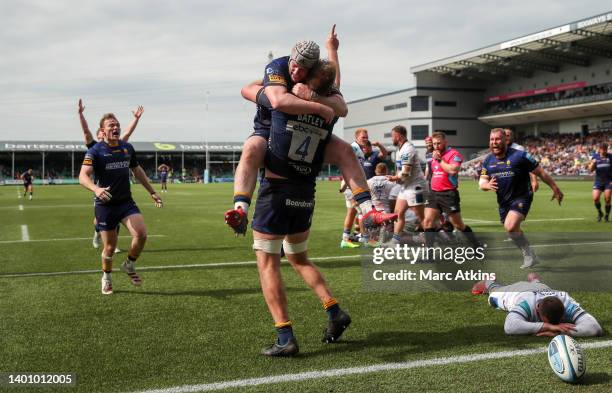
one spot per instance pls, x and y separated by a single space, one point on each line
162 147
573 43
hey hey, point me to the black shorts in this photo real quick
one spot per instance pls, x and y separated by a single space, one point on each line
283 207
521 205
108 217
262 132
26 185
445 201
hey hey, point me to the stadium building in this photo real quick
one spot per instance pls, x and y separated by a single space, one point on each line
557 80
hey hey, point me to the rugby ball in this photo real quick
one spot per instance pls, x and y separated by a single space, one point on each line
566 358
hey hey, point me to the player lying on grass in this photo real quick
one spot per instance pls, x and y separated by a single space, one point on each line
282 78
534 308
506 171
90 142
111 161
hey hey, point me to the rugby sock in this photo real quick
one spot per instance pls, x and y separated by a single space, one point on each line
430 237
364 199
519 239
598 207
332 308
608 210
131 258
107 274
397 237
243 201
346 234
467 231
96 228
284 331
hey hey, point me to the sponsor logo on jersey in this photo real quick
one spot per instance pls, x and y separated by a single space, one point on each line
301 204
277 79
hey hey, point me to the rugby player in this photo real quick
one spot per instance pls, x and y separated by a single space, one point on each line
282 76
536 309
163 176
409 175
601 164
444 195
28 180
284 208
535 185
111 161
90 142
506 171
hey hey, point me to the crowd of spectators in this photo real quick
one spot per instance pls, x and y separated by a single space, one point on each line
558 154
557 98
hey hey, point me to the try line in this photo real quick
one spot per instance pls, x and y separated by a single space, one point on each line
340 372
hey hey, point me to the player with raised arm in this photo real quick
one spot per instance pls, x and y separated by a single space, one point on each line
506 171
110 162
535 309
601 164
28 181
282 76
284 209
90 142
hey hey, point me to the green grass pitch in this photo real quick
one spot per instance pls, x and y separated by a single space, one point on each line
197 324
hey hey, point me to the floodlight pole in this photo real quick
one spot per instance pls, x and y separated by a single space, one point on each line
13 165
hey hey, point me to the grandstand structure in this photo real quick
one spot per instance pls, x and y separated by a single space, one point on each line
554 81
60 162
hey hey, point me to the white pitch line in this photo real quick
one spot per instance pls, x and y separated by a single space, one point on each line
21 207
62 239
551 245
340 372
25 235
166 267
527 220
239 263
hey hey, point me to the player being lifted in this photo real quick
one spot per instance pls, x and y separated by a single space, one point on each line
163 176
28 180
601 164
506 171
534 308
284 208
282 77
90 142
111 161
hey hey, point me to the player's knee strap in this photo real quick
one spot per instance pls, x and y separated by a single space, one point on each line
295 248
107 258
270 246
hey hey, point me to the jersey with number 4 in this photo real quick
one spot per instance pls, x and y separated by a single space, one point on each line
297 143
